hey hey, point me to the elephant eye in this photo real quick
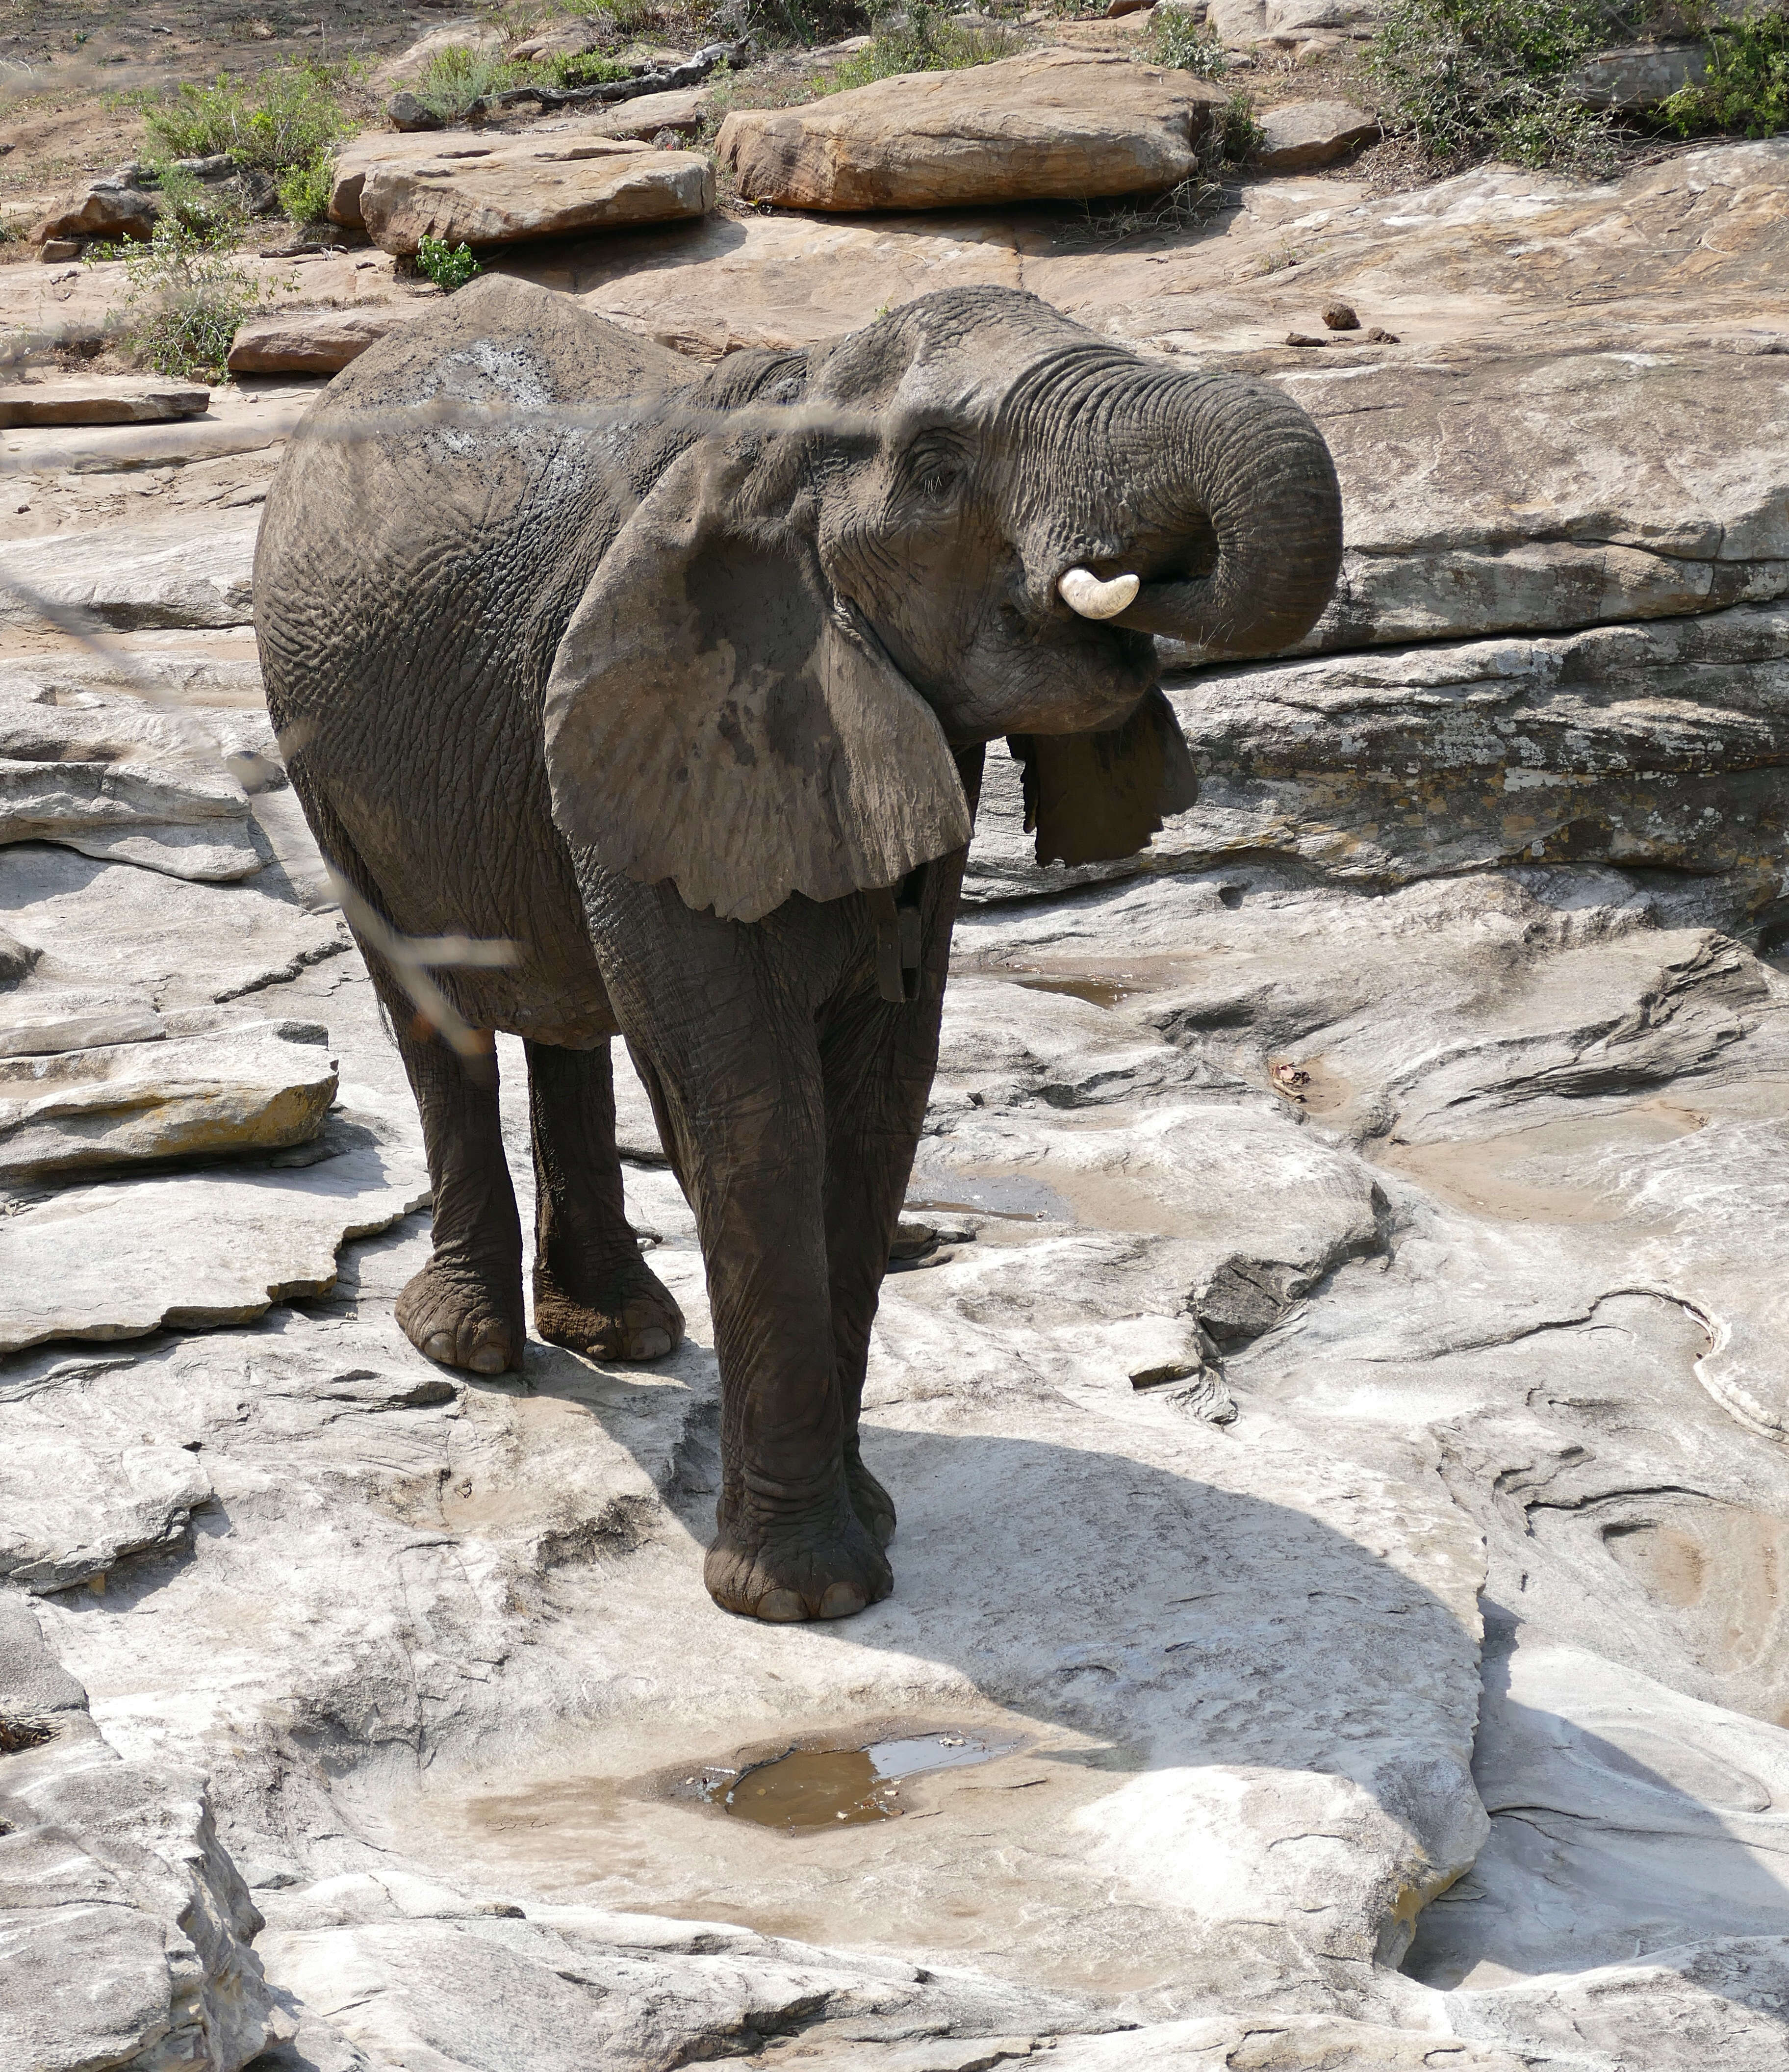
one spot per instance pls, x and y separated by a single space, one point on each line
937 480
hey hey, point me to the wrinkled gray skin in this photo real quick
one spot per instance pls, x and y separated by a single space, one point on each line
661 679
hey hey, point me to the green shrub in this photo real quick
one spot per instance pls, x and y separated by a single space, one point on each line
448 266
305 191
587 68
1479 79
1747 93
454 79
1176 39
184 300
284 119
922 38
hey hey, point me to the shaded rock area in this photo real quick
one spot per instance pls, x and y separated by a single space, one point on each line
310 341
1335 1405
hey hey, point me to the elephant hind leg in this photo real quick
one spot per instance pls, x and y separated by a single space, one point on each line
593 1292
465 1308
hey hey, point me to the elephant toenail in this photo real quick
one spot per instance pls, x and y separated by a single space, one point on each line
841 1599
488 1360
439 1345
650 1344
782 1606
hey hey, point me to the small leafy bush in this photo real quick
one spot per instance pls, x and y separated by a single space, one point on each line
1176 39
449 266
1747 93
921 37
587 68
184 300
454 79
285 118
304 190
1469 80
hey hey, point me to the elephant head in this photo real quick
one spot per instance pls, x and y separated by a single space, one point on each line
967 519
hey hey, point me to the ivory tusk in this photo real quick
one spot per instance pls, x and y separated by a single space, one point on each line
1082 591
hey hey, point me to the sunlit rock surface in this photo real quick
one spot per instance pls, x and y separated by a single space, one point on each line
1337 1436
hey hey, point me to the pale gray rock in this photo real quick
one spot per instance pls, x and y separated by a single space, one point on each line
93 400
115 776
126 1926
1620 516
180 575
1300 134
1655 746
1639 77
253 1085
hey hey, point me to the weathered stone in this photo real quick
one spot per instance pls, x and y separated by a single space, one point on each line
109 209
406 113
310 341
16 959
520 190
359 154
38 1023
1300 134
683 110
53 251
1051 125
175 573
114 776
91 400
1631 80
126 1924
258 1086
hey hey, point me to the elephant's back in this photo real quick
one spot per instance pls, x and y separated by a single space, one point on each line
430 530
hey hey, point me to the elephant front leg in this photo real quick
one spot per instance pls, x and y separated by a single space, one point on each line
721 1020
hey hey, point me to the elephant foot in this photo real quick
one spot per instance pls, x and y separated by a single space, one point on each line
625 1314
823 1566
872 1503
464 1319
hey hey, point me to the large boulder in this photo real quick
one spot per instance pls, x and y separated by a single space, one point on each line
1055 125
114 206
508 191
1305 133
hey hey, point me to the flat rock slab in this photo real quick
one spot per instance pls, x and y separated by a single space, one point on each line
1299 135
137 780
196 1250
194 573
101 402
512 191
312 341
1055 125
257 1086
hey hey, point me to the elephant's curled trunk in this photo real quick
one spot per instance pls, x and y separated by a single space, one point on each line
1237 466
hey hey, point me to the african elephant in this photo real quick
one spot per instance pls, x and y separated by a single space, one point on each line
679 680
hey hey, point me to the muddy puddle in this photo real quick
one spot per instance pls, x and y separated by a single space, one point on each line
1097 991
823 1788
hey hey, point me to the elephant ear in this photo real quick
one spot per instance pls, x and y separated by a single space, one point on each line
1093 797
714 718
